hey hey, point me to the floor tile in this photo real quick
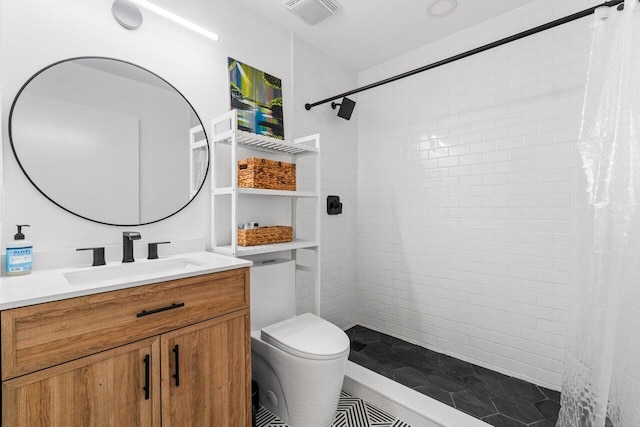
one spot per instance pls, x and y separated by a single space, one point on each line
265 418
436 393
483 384
500 420
457 367
551 422
522 390
381 359
386 365
392 360
489 373
363 360
357 345
352 412
364 335
520 410
548 408
471 388
446 381
396 343
475 404
410 377
376 348
551 394
422 358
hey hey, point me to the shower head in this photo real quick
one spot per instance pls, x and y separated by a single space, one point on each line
346 108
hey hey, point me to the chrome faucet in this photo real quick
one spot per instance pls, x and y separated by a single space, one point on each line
127 245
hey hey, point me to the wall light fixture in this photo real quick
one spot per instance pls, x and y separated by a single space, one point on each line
127 11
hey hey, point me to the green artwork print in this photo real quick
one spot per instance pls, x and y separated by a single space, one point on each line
258 98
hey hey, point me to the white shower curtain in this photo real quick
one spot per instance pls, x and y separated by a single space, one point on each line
602 373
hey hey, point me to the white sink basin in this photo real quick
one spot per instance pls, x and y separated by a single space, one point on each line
129 271
57 284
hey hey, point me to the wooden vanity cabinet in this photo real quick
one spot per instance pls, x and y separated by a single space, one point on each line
191 367
105 389
205 379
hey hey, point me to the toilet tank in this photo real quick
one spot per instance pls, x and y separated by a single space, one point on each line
273 292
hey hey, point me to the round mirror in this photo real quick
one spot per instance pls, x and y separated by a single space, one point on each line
109 141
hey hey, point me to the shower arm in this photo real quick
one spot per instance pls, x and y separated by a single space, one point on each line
471 52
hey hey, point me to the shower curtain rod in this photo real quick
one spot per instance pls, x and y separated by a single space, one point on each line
471 52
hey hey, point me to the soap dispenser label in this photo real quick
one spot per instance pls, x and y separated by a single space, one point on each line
18 259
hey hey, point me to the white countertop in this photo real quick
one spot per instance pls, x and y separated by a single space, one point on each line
51 285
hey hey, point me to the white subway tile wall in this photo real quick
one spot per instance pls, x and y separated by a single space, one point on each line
466 183
317 76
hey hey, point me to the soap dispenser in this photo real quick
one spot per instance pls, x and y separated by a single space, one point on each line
18 257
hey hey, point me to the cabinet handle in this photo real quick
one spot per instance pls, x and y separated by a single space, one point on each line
158 310
147 377
176 352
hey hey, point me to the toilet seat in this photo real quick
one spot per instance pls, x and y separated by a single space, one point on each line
307 336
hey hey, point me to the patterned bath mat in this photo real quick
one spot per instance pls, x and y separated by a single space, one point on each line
352 412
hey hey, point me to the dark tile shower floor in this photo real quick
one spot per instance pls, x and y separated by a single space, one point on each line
495 398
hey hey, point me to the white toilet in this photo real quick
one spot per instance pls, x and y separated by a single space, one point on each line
298 361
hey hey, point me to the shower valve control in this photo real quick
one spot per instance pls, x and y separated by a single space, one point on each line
334 207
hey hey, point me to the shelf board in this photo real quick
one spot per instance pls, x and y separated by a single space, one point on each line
264 143
284 193
199 144
263 192
222 190
265 249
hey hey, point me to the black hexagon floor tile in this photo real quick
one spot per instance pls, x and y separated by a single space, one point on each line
496 398
522 390
517 409
500 420
473 403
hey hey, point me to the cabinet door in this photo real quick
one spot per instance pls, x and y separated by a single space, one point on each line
105 389
206 372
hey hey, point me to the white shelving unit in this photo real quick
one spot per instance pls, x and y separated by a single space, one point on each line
224 238
197 144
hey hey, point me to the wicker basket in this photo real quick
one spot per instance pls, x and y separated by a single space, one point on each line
265 235
266 174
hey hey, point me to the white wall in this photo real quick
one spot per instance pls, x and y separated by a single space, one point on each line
461 205
317 76
35 33
1 133
466 180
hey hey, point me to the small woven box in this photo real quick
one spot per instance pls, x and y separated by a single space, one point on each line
266 174
265 235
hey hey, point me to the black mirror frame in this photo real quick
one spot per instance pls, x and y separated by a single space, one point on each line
15 154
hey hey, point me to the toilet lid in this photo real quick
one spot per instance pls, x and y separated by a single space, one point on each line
307 336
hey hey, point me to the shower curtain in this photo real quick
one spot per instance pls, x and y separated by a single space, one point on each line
602 373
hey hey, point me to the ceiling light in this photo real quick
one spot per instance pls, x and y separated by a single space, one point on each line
440 8
177 19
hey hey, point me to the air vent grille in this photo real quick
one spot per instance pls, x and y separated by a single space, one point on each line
331 5
312 11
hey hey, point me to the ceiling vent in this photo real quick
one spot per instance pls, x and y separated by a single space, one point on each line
312 11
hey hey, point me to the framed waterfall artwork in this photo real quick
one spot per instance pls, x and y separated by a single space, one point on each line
258 98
